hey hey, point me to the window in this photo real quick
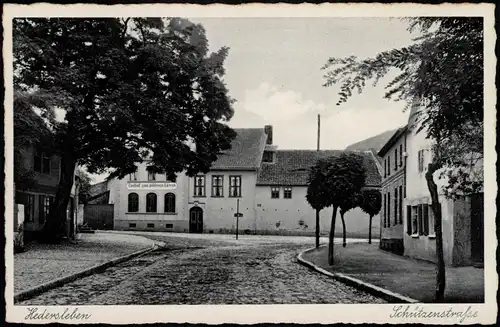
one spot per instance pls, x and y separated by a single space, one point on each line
217 185
420 161
396 207
389 209
170 203
385 168
45 163
420 219
38 161
400 204
430 215
396 158
267 157
133 202
287 193
132 225
388 165
385 210
42 162
275 192
401 154
28 200
234 186
199 186
414 220
44 203
151 176
151 202
132 177
151 225
169 226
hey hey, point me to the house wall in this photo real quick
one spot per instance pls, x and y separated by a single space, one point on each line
288 213
424 246
393 184
123 219
46 184
218 212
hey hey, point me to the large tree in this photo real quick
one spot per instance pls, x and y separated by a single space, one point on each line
442 74
336 180
131 89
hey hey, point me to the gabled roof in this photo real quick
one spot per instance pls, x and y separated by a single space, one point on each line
291 167
374 143
394 138
245 153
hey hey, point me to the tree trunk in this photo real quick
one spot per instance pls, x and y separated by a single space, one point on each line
54 228
344 243
370 231
317 228
436 209
331 237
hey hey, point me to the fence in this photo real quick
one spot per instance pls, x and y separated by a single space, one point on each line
98 216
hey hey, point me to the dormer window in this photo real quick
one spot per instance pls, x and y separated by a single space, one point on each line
268 157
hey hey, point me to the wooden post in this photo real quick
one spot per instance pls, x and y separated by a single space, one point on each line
237 215
319 128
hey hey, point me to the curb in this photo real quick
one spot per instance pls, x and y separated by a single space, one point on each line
37 290
383 293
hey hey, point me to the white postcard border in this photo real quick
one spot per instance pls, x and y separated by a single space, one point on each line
214 314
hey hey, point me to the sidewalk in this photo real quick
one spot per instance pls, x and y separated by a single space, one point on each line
413 278
42 263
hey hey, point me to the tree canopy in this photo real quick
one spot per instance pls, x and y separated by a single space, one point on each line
371 202
128 90
442 74
335 181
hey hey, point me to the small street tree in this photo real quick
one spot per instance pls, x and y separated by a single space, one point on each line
350 203
317 195
442 74
336 180
371 203
130 89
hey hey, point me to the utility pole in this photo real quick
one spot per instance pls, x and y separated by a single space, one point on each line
317 211
237 215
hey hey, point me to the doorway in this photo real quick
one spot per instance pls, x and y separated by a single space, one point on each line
196 220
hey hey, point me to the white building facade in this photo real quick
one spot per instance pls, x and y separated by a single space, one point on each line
266 186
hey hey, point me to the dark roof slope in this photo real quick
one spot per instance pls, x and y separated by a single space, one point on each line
291 167
392 140
245 153
374 143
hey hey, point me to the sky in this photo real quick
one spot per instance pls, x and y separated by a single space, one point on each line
274 72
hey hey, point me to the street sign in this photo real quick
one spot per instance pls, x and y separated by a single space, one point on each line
238 215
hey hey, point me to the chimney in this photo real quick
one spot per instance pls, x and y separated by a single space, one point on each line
268 129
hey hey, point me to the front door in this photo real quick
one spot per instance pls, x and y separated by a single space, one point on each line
196 220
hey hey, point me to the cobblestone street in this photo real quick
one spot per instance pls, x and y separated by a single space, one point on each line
198 271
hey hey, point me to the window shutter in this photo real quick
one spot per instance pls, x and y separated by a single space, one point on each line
426 219
408 220
420 220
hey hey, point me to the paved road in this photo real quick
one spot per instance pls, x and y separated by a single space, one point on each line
208 271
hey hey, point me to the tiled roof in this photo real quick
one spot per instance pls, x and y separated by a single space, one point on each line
98 188
291 167
245 153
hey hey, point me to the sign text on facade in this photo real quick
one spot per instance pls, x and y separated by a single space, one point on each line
151 185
